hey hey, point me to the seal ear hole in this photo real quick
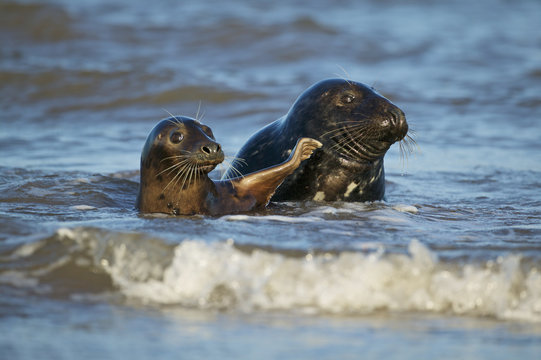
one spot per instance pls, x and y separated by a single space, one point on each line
207 131
176 137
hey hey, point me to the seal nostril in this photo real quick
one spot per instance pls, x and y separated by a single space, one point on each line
210 149
396 117
394 120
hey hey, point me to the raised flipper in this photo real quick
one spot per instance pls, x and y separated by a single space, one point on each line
262 184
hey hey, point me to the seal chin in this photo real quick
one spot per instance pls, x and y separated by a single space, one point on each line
206 160
205 169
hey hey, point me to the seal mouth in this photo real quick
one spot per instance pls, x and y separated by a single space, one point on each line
206 168
357 151
185 170
206 165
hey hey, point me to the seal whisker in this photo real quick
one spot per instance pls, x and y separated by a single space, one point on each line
189 174
172 122
168 113
345 78
175 157
237 159
223 170
193 171
349 134
175 178
175 121
235 171
180 174
172 168
199 115
410 144
355 125
403 154
198 175
169 170
411 141
185 171
188 177
344 146
232 170
183 156
349 144
339 132
198 109
353 143
407 146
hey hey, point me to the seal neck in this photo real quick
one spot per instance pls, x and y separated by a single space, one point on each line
171 194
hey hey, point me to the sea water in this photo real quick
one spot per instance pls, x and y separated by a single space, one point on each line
447 266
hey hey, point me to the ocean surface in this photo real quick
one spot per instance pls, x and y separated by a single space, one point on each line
447 267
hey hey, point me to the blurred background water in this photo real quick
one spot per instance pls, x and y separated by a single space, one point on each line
449 266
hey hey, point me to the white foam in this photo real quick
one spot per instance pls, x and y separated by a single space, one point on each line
329 210
277 218
66 233
83 207
27 250
219 275
406 208
18 279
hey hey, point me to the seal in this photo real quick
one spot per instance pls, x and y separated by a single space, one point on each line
356 126
176 159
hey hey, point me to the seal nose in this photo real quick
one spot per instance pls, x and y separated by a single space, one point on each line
212 151
210 148
394 124
398 118
399 124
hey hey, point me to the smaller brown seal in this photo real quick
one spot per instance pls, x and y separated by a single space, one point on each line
176 159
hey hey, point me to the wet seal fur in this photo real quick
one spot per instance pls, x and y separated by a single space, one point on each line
176 159
356 126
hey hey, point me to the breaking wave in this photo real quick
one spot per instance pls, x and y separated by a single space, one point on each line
222 275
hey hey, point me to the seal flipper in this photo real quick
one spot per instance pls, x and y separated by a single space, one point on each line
262 184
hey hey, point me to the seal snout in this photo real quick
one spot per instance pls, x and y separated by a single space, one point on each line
396 121
210 153
211 148
398 118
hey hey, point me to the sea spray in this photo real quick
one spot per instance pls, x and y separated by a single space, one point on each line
220 275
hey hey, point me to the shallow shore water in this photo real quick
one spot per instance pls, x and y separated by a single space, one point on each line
448 266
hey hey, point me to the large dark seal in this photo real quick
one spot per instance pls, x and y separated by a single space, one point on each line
175 162
356 126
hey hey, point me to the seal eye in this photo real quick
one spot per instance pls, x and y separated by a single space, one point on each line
176 137
348 99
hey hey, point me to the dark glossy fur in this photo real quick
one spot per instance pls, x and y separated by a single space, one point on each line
356 126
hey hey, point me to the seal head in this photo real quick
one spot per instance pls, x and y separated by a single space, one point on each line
178 153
